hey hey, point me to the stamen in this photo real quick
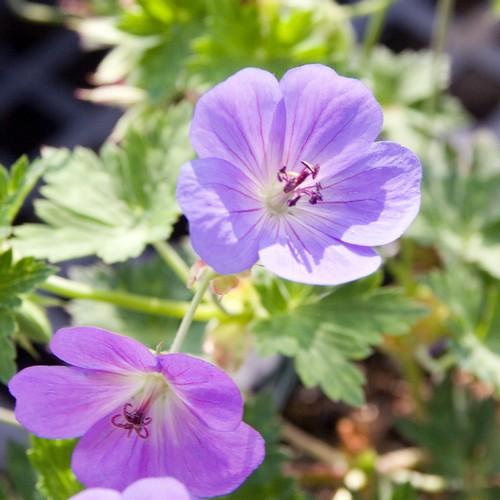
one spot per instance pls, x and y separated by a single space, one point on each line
133 420
293 180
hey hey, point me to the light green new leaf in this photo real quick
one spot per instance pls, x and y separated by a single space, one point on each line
51 459
114 204
325 331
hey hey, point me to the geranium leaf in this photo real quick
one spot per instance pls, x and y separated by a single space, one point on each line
114 204
324 334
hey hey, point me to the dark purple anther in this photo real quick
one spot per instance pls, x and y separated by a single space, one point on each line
293 181
135 420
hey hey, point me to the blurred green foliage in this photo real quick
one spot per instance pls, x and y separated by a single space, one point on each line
325 330
51 459
112 205
459 433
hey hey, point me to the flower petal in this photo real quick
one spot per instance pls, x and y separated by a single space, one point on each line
64 402
242 121
166 488
212 463
98 494
301 253
207 462
223 212
94 348
373 200
206 391
326 114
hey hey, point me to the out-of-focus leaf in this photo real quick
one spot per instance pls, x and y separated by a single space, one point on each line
269 480
460 213
51 459
151 278
32 322
204 41
474 321
404 492
403 83
324 331
496 7
460 435
20 472
114 204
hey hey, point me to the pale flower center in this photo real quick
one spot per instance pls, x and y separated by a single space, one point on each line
136 414
291 187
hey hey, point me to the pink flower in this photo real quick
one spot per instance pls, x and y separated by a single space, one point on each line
139 415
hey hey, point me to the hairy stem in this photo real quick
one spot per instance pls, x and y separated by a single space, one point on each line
150 305
191 312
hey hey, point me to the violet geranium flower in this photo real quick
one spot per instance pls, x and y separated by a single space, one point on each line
139 415
289 174
161 488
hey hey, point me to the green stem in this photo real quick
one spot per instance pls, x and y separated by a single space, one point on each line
149 305
374 29
364 8
440 35
489 310
173 260
190 314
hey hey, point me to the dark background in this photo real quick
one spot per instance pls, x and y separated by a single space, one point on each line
41 67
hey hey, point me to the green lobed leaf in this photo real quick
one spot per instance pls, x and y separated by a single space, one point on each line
205 41
7 348
16 278
460 214
114 204
325 331
150 278
15 187
51 459
403 83
19 277
459 433
268 481
474 320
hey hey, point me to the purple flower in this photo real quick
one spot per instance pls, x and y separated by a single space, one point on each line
162 488
289 174
140 415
